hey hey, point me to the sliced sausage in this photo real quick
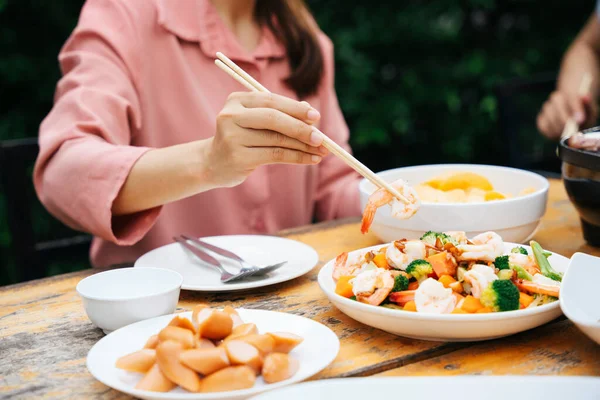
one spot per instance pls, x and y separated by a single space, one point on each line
155 381
242 353
205 361
202 343
230 378
140 361
278 367
195 311
152 342
213 324
243 330
182 322
167 356
235 317
263 343
285 341
181 335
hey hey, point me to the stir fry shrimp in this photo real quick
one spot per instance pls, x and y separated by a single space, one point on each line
381 197
373 286
403 252
433 297
345 267
486 247
479 277
527 262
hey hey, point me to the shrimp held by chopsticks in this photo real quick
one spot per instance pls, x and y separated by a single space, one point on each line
400 210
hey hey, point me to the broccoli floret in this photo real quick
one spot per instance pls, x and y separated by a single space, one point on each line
400 283
520 250
521 273
501 262
501 295
542 261
419 269
431 238
353 298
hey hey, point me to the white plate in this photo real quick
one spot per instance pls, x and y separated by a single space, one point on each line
256 249
319 348
444 388
579 294
444 327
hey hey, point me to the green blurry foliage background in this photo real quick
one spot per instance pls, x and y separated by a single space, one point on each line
414 78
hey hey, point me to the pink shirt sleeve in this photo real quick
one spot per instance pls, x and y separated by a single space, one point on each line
337 194
85 152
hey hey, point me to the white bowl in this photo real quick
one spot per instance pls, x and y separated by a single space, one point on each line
579 292
515 219
444 327
119 297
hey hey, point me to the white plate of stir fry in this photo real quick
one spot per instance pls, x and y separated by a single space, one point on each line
445 286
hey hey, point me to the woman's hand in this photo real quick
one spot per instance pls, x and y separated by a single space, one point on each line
562 106
255 129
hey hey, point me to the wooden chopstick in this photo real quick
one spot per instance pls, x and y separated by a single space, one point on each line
571 127
233 70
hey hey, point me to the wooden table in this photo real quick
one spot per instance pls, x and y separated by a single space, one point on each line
45 334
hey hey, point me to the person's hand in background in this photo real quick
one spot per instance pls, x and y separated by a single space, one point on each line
582 57
562 106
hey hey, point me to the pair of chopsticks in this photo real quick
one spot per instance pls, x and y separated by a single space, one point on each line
253 85
571 127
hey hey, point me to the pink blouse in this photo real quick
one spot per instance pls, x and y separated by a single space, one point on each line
139 75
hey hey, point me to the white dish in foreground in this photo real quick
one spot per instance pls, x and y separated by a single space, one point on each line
444 327
319 348
516 219
579 294
446 388
256 249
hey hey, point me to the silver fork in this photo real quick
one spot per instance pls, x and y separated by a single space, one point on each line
226 276
246 266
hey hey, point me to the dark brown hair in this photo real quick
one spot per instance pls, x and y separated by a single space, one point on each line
291 23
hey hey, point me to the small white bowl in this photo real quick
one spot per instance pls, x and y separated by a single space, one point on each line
515 219
444 327
578 294
119 297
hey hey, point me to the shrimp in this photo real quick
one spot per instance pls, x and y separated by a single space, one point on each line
479 277
433 297
373 286
381 197
486 247
342 267
527 262
403 252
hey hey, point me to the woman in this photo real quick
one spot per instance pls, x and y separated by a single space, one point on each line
146 140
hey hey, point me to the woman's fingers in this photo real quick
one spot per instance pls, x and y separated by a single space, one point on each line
279 155
278 121
265 138
298 109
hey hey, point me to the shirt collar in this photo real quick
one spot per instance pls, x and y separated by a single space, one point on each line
198 21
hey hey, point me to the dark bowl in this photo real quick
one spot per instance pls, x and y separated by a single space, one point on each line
581 177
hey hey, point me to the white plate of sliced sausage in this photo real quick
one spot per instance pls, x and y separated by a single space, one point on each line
212 354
